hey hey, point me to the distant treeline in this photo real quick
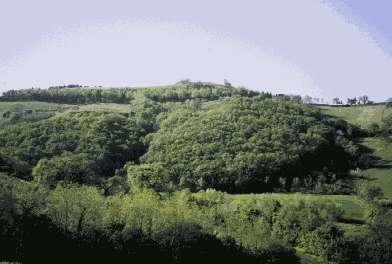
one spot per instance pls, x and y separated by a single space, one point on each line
75 94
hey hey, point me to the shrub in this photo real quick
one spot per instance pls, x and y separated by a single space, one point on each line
327 241
368 192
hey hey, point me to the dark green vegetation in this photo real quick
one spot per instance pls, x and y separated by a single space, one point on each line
247 144
123 174
377 121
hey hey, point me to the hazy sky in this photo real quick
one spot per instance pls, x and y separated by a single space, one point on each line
320 48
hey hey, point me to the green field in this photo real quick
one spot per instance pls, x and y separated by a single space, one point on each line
382 174
361 116
34 105
109 107
15 112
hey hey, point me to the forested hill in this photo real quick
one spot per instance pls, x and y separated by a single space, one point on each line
190 135
183 174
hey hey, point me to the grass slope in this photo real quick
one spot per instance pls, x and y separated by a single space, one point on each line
382 174
16 112
362 115
107 107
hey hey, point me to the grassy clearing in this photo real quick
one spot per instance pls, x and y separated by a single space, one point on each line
381 175
34 105
307 258
16 112
109 107
361 116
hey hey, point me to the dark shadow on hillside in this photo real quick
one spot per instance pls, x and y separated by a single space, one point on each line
351 221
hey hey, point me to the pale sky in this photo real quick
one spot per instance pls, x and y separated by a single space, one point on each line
320 48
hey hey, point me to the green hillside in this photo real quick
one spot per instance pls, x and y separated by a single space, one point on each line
363 116
188 173
15 112
360 115
382 174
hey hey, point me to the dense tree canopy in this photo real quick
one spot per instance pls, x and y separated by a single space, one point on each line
80 147
142 180
246 144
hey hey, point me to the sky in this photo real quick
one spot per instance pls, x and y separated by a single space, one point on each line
326 49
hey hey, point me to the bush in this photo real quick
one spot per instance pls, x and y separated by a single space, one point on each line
152 175
374 129
294 220
327 241
368 192
376 246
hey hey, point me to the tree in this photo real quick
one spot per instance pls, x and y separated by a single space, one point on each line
152 175
374 129
7 114
336 101
387 124
363 99
376 246
244 144
368 192
327 241
307 99
76 168
352 101
76 209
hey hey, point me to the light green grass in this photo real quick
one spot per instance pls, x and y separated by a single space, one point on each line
381 176
33 105
16 112
306 258
361 116
109 107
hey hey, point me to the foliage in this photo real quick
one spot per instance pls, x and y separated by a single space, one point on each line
248 144
152 175
179 92
78 219
376 246
106 182
368 192
17 112
361 115
78 168
84 147
327 241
